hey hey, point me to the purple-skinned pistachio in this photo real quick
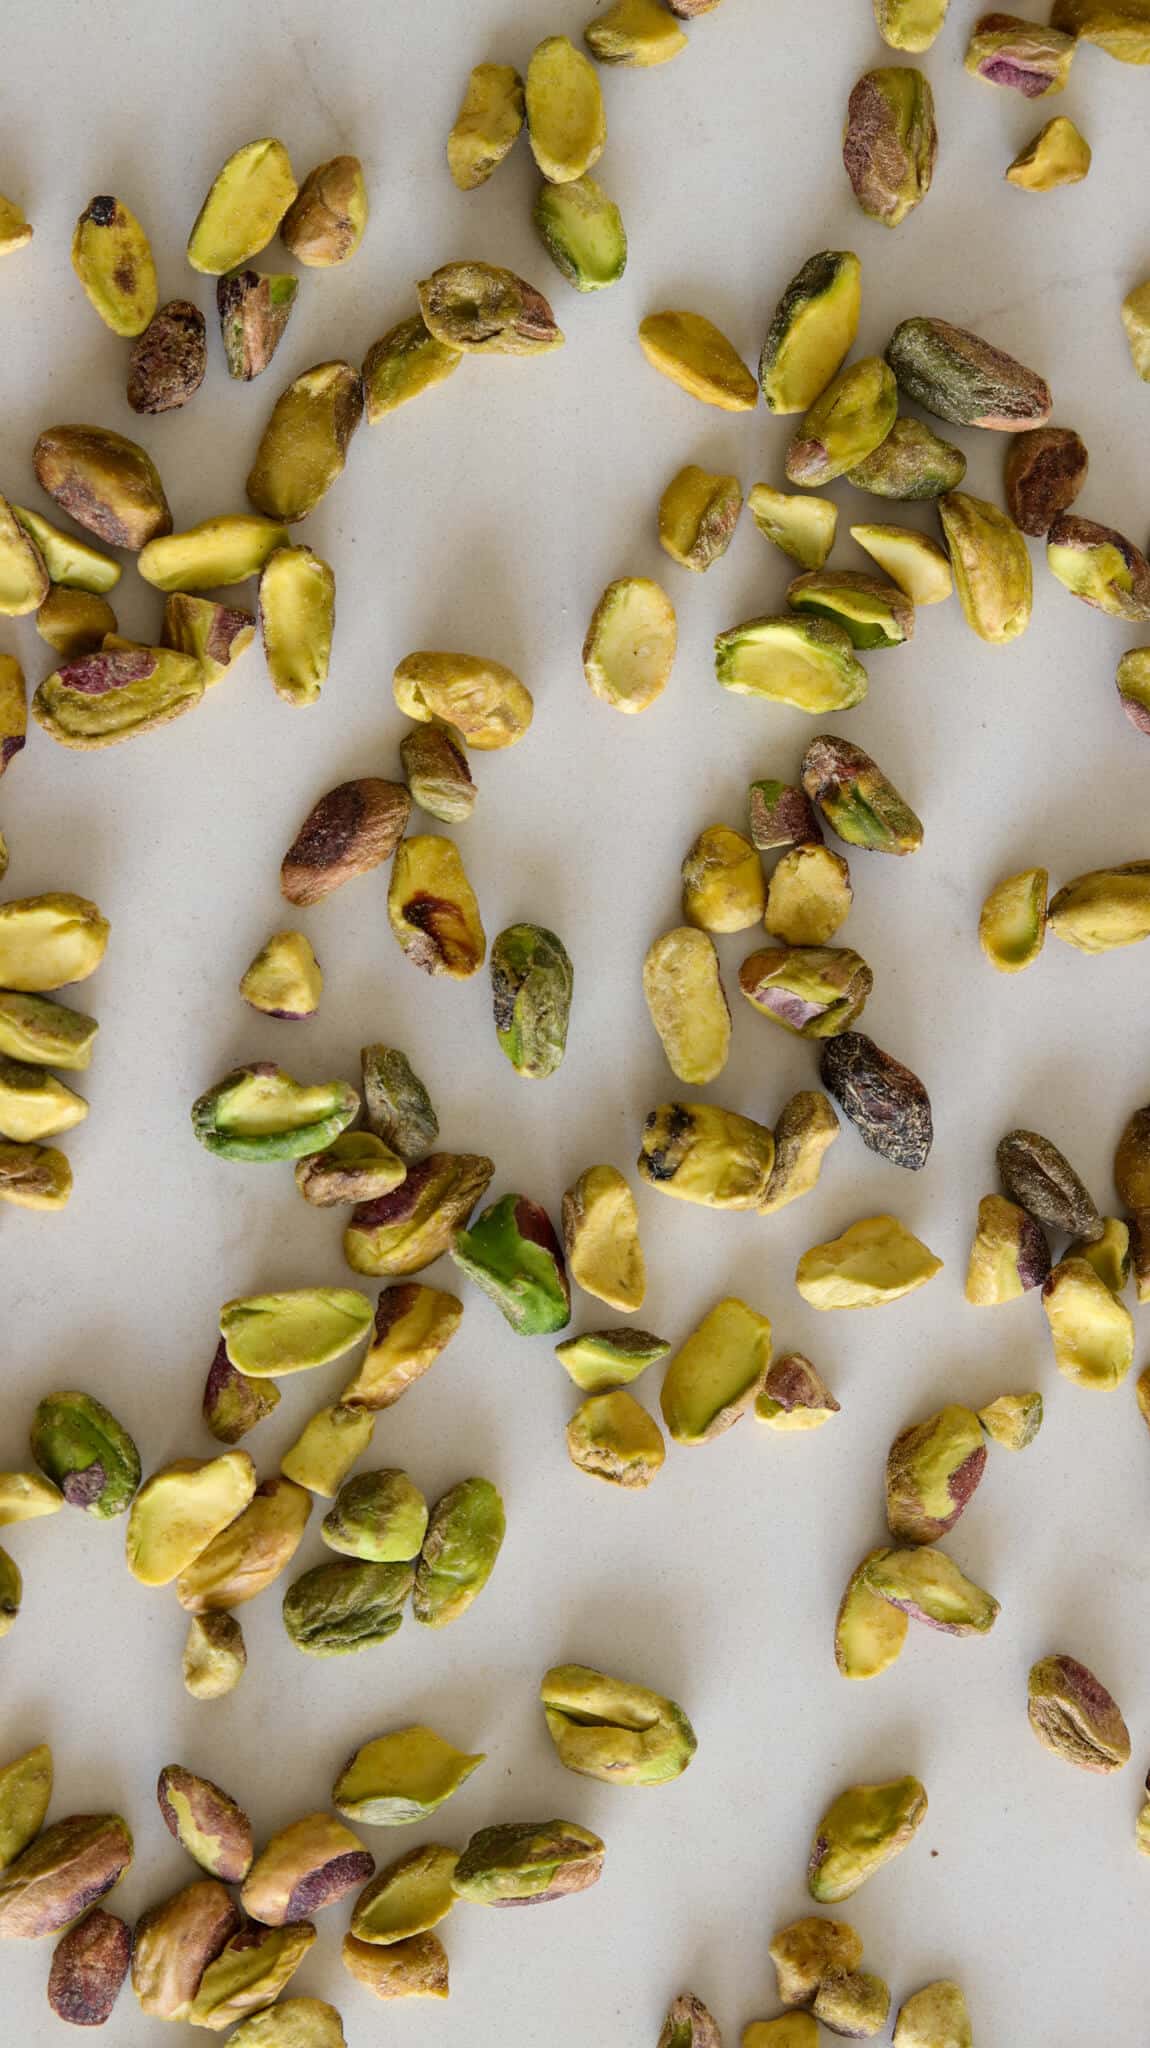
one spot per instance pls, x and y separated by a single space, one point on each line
1074 1716
308 1865
1025 56
781 815
1099 565
400 1233
214 634
1045 471
254 310
1037 1176
351 830
932 1471
67 1868
886 1103
169 359
1009 1254
104 482
794 1395
115 694
890 144
816 991
233 1402
206 1822
688 2023
89 1966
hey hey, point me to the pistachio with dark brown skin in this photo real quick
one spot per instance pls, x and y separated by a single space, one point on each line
89 1966
886 1103
351 830
169 359
1045 471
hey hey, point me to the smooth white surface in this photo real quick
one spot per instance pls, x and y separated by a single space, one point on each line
489 516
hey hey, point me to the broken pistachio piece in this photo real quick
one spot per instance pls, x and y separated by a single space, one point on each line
432 909
259 1113
814 991
909 24
1012 921
436 772
268 1335
810 335
13 706
1107 908
794 1395
414 1968
913 562
413 1325
1045 471
245 205
690 350
169 360
807 662
877 1260
688 2023
485 703
1008 1255
402 1232
487 125
688 1008
611 1437
512 1253
356 1168
44 1033
803 527
297 617
180 1509
327 1448
24 580
723 885
637 32
869 1637
89 1965
890 144
957 376
304 445
860 1831
254 309
809 1950
216 552
846 423
207 1822
630 646
250 1553
790 2030
83 1450
215 1656
1013 1421
566 120
716 1374
806 1127
582 231
249 1973
1026 56
1037 1176
602 1359
1100 566
885 1101
859 804
26 1497
304 1867
781 815
284 979
1135 320
46 941
1120 27
233 1403
464 1537
11 1592
67 1868
871 612
401 1778
292 2023
852 2002
698 512
601 1239
482 309
991 567
215 635
610 1729
410 1896
1092 1331
381 1516
531 980
116 694
1075 1717
350 831
929 1587
34 1176
809 896
936 2017
912 463
325 222
15 231
706 1154
528 1863
1133 679
73 622
104 482
402 363
932 1471
112 258
34 1105
1057 155
174 1943
336 1610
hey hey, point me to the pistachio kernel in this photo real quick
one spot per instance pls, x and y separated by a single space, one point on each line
254 309
350 831
958 376
891 142
336 1610
169 360
402 364
215 1656
304 445
245 204
691 351
860 1831
410 1896
630 646
112 258
814 991
1091 1330
811 333
482 309
512 1252
25 1791
297 619
698 512
1074 1716
788 659
932 1471
885 1101
325 222
83 1450
687 1005
414 1968
1012 921
1013 1421
991 565
432 908
929 1587
401 1778
869 1633
566 121
66 1869
465 1534
528 1863
794 1395
249 1555
806 1126
403 1232
531 981
936 2017
611 1437
89 1965
1045 471
206 1822
1025 56
688 2023
174 1944
846 423
699 1152
1008 1255
858 802
487 125
715 1375
105 482
306 1866
912 463
610 1729
800 526
876 1260
233 1403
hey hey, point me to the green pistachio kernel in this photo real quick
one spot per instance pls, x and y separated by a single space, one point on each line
259 1113
381 1516
337 1609
513 1254
531 980
610 1729
528 1863
86 1452
401 1778
464 1536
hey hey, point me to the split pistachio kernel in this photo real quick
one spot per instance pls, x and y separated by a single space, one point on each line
482 309
690 350
413 1325
870 1634
871 612
1012 921
297 618
284 979
1107 908
249 1555
716 1374
213 634
105 482
259 1113
25 1792
1008 1256
812 332
702 1153
688 2023
601 1239
15 231
404 1231
611 1437
601 1360
292 2023
1092 1331
215 1656
877 1260
809 896
404 362
268 1335
909 24
304 445
610 1729
1058 155
932 1471
245 205
512 1253
1109 1254
465 1534
794 1395
46 941
249 1973
402 1778
929 1587
325 222
1013 1421
1100 566
432 909
724 889
630 646
1025 56
991 567
414 1968
181 1509
1120 27
436 772
216 552
68 559
846 423
802 527
1133 680
566 120
890 143
697 515
528 1863
27 1497
83 1450
637 32
814 991
912 463
487 125
788 659
485 703
66 1869
958 376
232 1403
24 580
859 803
853 2002
914 562
13 709
337 1610
116 694
112 258
34 1176
305 1866
254 310
380 1516
781 815
408 1897
1074 1716
1136 322
34 1105
327 1448
863 1829
688 1008
936 2017
582 231
806 1127
809 1950
44 1033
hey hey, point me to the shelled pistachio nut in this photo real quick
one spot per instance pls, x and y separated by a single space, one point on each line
803 527
465 1534
688 2023
304 444
512 1252
34 1105
932 1471
74 622
846 423
890 144
1075 1717
401 1778
1120 27
809 1950
1013 1420
876 1260
582 231
807 662
249 1555
104 482
687 1005
402 364
245 204
629 650
336 1610
885 1101
169 360
1008 1254
1026 56
601 1239
698 513
89 1965
528 1863
566 121
611 1729
411 1895
869 1633
414 1968
702 1153
1091 1330
215 1656
268 1335
116 694
611 1437
914 563
991 565
715 1375
432 908
24 579
959 377
692 352
482 309
811 333
47 941
297 619
794 1395
284 979
249 1973
929 1587
413 1324
350 831
860 1831
1058 155
487 125
1012 921
233 1403
213 634
909 24
912 463
327 1447
531 981
72 1865
83 1450
254 309
174 1944
325 222
479 699
1100 566
858 802
207 1822
602 1359
304 1867
436 772
1133 680
639 32
804 1129
723 885
219 551
1036 1175
402 1232
180 1509
1107 908
380 1516
814 991
25 1791
112 258
34 1176
259 1113
936 2017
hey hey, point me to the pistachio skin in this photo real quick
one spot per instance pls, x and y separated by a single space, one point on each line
528 1863
81 1447
1074 1716
1045 471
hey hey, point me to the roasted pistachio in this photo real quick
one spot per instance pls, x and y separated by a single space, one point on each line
1013 1421
860 1831
723 885
809 1950
34 1105
875 1261
806 1126
609 1728
929 1587
292 2023
233 1403
803 527
415 1968
1075 1717
601 1239
68 1868
1092 1331
698 512
790 2030
245 205
582 231
381 1516
566 121
1008 1255
215 1656
487 125
871 612
991 567
297 618
13 707
169 360
640 32
308 1865
250 1553
411 1895
413 1325
15 231
304 445
254 310
180 1509
909 24
34 1176
1012 921
706 1154
47 941
174 1943
206 1822
351 830
44 1033
401 1778
1037 1176
932 1471
112 258
630 646
335 1610
404 1231
325 222
688 2023
814 991
846 423
1131 1167
890 144
611 1437
855 797
531 980
436 772
1120 27
432 909
794 1395
482 309
24 580
464 1537
69 560
885 1101
936 2017
688 1008
512 1252
268 1335
811 332
690 350
852 2002
259 1113
402 363
1100 566
357 1167
11 1591
89 1965
1136 321
249 1973
1133 679
715 1375
807 662
602 1359
1057 155
957 376
104 482
83 1450
1107 908
528 1863
1024 55
327 1448
284 979
869 1634
72 622
25 1790
26 1497
485 703
216 552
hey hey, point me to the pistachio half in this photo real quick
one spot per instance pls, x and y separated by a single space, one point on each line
336 1610
206 1822
802 527
215 1656
432 908
245 204
66 1869
104 482
685 998
690 350
83 1450
487 125
181 1509
936 2017
807 662
688 2023
601 1239
794 1395
1074 1716
233 1403
254 309
404 362
350 831
912 463
297 618
932 1471
25 1790
482 309
1013 1421
1008 1255
249 1973
308 1865
858 802
284 979
611 1437
268 1335
602 1359
415 1968
958 376
327 1447
408 1897
259 1113
112 258
1092 1331
528 1863
991 565
869 1633
218 551
512 1252
46 941
249 1555
169 360
860 1831
1037 1176
413 1325
566 121
609 1728
814 991
381 1516
531 981
465 1534
811 333
402 1232
804 1129
702 1153
890 142
174 1944
846 423
715 1375
875 1261
325 222
401 1778
929 1587
630 646
89 1965
304 445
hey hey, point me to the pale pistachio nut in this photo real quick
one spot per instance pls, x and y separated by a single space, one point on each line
1013 1421
1133 680
284 980
876 1260
716 1374
809 896
688 2023
24 579
912 463
1026 56
885 1101
611 1437
15 231
809 1950
34 1105
415 1968
219 551
1037 1176
479 699
215 635
68 1868
814 991
723 885
531 982
104 482
259 1113
254 309
34 1176
869 1633
436 772
245 204
1092 1331
487 125
566 120
404 362
356 1168
215 1656
11 1591
1100 566
249 1973
268 1335
805 1128
957 376
788 659
482 309
861 1830
174 1944
638 32
13 709
325 222
1057 155
112 258
690 350
401 1778
297 619
1107 908
69 560
1075 1717
929 1587
327 1448
25 1790
381 1516
582 231
890 144
860 805
932 1471
180 1509
781 815
402 1232
249 1555
811 333
350 831
936 2017
169 361
1045 471
790 2030
1012 921
846 423
304 445
602 1359
601 1239
410 1896
207 1822
1135 320
292 2023
304 1867
688 1007
1120 27
1008 1255
794 1395
698 512
233 1403
991 567
432 909
116 694
802 527
702 1153
335 1610
611 1729
89 1965
413 1325
26 1497
909 24
528 1863
83 1450
630 646
465 1534
913 562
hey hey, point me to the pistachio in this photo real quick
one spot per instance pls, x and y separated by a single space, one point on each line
254 309
34 1105
34 1176
99 699
356 1168
991 567
912 463
304 445
68 1868
936 2017
1131 1168
809 896
929 1587
638 32
852 2002
404 1231
781 815
1026 56
482 309
909 24
13 709
381 1516
811 333
698 512
1120 27
582 231
715 1375
1107 908
1057 155
869 1634
327 1448
723 885
913 562
1012 921
957 376
104 482
611 1437
688 2023
871 612
249 1973
531 979
233 1403
806 1127
814 991
245 204
350 831
284 979
688 1008
216 552
601 1240
1100 566
1109 1254
174 1944
297 618
1045 471
432 909
566 121
1037 1176
46 941
89 1965
73 622
271 1334
207 1822
803 527
790 2030
875 1261
485 703
335 1610
794 1395
1008 1255
15 231
401 1778
487 125
83 1450
932 1471
415 1968
215 1656
25 1790
602 1359
846 423
464 1537
44 1033
180 1509
436 772
1092 1331
292 2023
413 1325
1013 1421
259 1113
24 581
885 1101
1135 320
249 1555
807 662
690 350
890 144
410 1896
859 804
860 1831
112 258
610 1729
809 1950
630 646
401 364
528 1863
308 1865
325 222
69 561
26 1497
11 1592
1074 1716
705 1154
512 1253
169 360
1133 680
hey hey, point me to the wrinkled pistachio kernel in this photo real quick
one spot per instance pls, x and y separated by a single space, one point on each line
34 1176
1092 1331
936 2017
1100 566
1075 1717
929 1587
1026 56
404 362
1037 1176
609 1728
249 1973
688 2023
602 1359
104 482
413 1968
909 24
174 1943
325 222
206 1822
304 445
335 1610
611 1437
169 361
350 831
44 1033
356 1168
688 1007
482 309
1013 1421
803 528
381 1516
512 1252
877 1260
582 231
794 1395
254 309
869 1632
112 258
401 1778
790 2030
247 1556
528 1863
715 1375
259 1113
404 1231
24 580
852 2002
436 771
13 706
959 377
432 909
89 1966
214 634
807 662
25 1790
630 646
304 1867
246 202
292 2023
268 1335
863 1829
73 622
705 1154
215 1656
566 120
991 567
1135 320
482 702
297 618
214 553
1045 471
781 815
858 802
912 463
1133 680
1058 155
233 1403
698 512
812 331
531 980
327 1448
11 1591
723 885
465 1534
26 1497
1109 1254
637 32
1012 921
809 1950
67 1868
601 1239
409 1896
809 896
1120 27
932 1471
1107 908
814 991
487 125
82 1448
284 979
806 1127
34 1105
914 563
1008 1254
846 423
413 1325
690 350
890 142
115 694
181 1509
885 1101
15 231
